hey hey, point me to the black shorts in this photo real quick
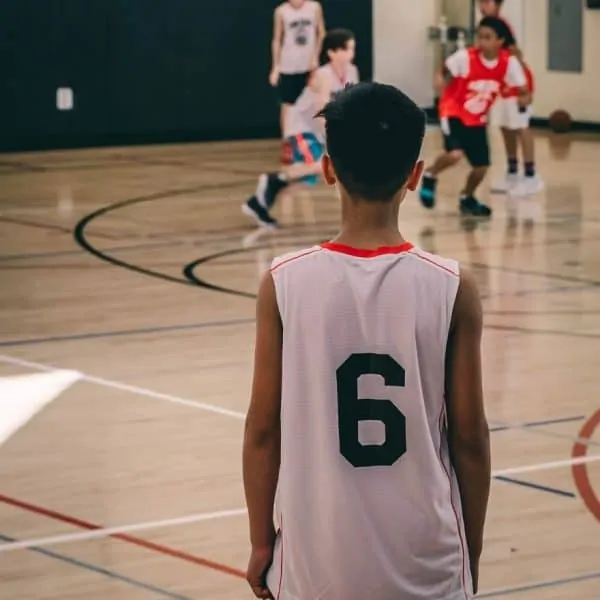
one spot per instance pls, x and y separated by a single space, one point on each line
291 86
473 141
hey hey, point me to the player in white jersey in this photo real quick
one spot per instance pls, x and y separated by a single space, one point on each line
299 28
366 435
303 132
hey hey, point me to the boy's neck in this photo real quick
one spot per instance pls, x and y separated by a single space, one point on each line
490 56
369 225
340 69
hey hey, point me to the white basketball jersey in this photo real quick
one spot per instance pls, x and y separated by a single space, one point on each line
367 502
299 37
300 118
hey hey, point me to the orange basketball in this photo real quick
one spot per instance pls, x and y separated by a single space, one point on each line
560 121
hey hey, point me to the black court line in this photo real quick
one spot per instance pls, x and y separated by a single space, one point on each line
80 233
530 273
75 562
545 312
23 167
123 332
541 585
49 226
190 278
535 486
77 251
556 332
533 424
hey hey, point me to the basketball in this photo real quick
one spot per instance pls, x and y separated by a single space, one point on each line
560 121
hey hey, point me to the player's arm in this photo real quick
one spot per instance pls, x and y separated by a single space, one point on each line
262 436
515 77
456 65
468 431
276 44
320 36
321 87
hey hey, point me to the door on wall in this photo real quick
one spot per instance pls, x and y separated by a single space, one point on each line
565 36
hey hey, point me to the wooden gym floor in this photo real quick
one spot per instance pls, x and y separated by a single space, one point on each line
127 297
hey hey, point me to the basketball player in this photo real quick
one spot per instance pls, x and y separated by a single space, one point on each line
303 132
514 123
477 75
366 434
299 28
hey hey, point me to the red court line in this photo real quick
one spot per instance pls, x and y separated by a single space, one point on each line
172 552
580 472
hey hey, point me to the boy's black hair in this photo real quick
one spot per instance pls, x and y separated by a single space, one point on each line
495 24
374 138
336 39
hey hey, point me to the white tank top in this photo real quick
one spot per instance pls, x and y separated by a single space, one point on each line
367 502
299 37
300 117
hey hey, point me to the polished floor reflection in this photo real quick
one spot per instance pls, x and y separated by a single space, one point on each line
135 268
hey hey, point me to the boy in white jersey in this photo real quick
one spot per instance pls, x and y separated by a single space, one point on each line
298 31
366 434
303 132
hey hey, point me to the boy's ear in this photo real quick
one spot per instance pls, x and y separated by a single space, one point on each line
328 170
415 177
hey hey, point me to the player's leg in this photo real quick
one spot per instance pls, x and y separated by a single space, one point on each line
285 107
477 150
452 154
531 183
290 87
507 107
307 152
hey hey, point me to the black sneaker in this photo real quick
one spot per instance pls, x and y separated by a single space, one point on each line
253 209
470 206
427 191
269 185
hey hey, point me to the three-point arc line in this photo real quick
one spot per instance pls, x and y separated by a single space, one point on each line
580 471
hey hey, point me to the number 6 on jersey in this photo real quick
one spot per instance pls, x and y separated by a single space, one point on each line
352 410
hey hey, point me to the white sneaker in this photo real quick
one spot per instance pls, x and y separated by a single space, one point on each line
528 186
504 186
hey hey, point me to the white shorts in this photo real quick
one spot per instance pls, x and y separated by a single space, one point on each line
507 115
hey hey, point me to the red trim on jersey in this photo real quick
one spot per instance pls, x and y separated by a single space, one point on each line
288 260
432 262
364 253
513 92
281 558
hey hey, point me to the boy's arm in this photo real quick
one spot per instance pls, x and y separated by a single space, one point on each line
320 37
468 432
456 65
276 43
262 436
321 86
516 78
